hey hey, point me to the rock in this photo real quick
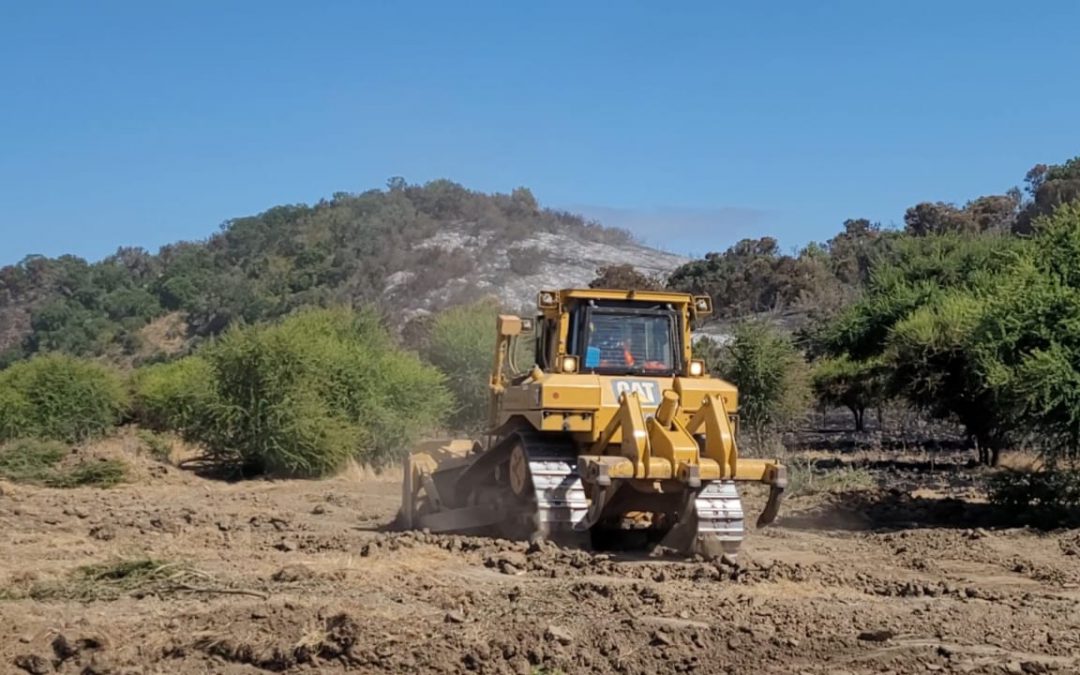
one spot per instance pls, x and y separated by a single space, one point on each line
876 635
102 533
33 664
1034 667
291 573
63 649
318 510
559 634
165 525
507 567
454 616
661 638
285 546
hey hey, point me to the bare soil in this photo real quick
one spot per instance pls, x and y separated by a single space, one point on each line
300 576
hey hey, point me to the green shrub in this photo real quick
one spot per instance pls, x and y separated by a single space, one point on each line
462 345
177 395
297 398
771 376
60 397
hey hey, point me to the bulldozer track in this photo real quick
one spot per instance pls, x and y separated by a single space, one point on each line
720 515
557 489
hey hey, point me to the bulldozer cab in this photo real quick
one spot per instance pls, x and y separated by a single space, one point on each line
607 332
625 339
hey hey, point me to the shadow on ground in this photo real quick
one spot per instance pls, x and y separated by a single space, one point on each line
896 509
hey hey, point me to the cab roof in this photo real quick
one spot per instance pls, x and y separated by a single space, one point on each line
674 298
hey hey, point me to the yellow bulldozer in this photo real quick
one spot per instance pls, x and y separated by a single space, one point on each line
604 431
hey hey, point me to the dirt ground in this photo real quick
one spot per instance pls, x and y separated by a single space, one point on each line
299 576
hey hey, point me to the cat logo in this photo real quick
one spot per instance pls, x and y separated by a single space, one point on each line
648 392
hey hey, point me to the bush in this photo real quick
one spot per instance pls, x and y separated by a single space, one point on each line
298 398
177 396
60 397
771 376
462 345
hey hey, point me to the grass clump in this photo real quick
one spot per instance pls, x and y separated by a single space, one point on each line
156 445
31 460
806 478
101 473
103 581
59 397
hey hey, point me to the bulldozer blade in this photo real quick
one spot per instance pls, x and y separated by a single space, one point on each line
463 519
772 507
681 537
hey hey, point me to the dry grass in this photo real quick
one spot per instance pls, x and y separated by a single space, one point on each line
806 478
1022 460
107 581
137 577
165 335
51 464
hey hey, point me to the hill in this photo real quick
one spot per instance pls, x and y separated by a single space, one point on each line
408 250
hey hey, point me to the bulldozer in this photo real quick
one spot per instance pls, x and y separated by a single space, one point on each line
604 431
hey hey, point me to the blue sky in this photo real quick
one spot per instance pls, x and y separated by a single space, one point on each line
141 123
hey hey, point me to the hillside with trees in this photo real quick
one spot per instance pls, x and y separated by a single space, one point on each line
403 251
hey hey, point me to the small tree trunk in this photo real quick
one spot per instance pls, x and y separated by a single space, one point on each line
995 456
984 458
860 417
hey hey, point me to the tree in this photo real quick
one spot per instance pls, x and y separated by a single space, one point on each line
623 276
852 251
855 385
1029 335
937 218
1048 186
754 276
919 317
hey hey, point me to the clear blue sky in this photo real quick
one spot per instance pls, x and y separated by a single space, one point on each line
141 123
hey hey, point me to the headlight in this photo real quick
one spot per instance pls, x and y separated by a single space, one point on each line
569 364
547 299
697 368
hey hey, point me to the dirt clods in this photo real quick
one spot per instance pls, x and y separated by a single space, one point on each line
299 576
